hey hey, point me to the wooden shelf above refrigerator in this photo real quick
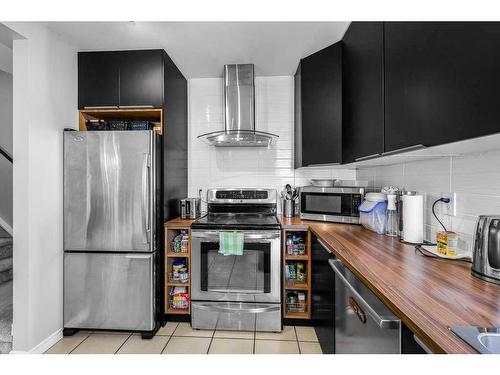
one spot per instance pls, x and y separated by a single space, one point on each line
154 115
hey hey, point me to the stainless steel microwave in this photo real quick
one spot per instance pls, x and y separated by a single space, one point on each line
335 204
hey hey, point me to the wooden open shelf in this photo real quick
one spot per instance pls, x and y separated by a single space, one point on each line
292 286
170 310
154 115
296 257
297 315
170 232
171 254
296 286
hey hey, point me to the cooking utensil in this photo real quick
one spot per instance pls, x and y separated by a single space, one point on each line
323 182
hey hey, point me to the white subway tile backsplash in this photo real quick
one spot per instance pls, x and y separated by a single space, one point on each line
264 167
473 177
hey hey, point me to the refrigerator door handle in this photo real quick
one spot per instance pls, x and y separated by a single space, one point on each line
146 197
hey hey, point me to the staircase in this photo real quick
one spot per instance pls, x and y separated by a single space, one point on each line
5 292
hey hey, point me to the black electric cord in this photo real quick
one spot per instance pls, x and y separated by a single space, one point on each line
428 254
444 200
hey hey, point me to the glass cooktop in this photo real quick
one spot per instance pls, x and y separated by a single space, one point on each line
237 221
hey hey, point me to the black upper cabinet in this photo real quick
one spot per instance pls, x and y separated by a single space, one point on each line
318 108
141 78
121 78
363 91
441 82
98 77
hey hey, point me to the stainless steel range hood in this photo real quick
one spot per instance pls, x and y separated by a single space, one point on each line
239 104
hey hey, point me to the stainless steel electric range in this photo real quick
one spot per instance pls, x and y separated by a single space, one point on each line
237 292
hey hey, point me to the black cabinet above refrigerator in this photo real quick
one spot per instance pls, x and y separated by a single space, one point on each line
98 79
121 79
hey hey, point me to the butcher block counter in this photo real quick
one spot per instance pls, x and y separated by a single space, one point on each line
428 295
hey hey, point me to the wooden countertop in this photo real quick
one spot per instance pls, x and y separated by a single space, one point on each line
428 295
178 223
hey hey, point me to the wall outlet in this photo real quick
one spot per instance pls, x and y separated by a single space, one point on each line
449 209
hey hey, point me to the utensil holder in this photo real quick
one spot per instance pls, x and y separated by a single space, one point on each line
288 208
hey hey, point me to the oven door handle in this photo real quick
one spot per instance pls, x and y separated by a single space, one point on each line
239 309
214 235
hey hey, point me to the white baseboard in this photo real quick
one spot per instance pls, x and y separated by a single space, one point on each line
43 346
6 226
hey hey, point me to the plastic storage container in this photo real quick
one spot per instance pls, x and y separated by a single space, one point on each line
372 212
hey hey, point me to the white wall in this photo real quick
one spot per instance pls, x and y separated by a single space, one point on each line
475 178
45 102
211 167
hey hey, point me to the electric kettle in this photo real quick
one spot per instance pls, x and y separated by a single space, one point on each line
486 251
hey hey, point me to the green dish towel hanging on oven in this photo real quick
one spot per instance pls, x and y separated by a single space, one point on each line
231 243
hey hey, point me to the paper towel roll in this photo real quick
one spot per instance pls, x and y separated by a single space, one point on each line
413 218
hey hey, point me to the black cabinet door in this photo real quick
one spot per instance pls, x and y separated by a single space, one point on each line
297 155
441 82
363 91
141 78
323 296
98 75
319 128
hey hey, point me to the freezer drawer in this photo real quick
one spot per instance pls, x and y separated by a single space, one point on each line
109 291
363 324
236 316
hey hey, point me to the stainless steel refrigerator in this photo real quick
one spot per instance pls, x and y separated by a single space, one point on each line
110 230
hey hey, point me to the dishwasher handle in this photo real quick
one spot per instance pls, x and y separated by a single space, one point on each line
382 321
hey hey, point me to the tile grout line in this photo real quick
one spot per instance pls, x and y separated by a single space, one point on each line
169 338
297 338
123 343
81 342
211 340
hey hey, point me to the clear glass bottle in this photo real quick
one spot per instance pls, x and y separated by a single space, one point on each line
392 226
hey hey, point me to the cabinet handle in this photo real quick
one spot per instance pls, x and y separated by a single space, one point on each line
422 345
367 157
137 106
101 107
323 245
404 149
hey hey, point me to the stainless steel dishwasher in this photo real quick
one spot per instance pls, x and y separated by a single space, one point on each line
363 324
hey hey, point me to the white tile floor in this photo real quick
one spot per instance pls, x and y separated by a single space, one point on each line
179 338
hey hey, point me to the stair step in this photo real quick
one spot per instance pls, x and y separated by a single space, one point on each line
5 347
6 276
5 248
5 264
5 328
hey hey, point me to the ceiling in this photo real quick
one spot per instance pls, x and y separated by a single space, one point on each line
200 49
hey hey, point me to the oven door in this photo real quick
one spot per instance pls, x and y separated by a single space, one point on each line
251 277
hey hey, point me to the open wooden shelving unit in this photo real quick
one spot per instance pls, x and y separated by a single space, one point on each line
172 230
289 286
154 115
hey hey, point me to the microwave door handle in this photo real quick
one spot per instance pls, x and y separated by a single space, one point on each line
381 321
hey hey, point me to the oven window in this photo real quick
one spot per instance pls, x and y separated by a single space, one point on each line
247 273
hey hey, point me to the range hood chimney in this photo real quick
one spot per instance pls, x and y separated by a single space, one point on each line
239 105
